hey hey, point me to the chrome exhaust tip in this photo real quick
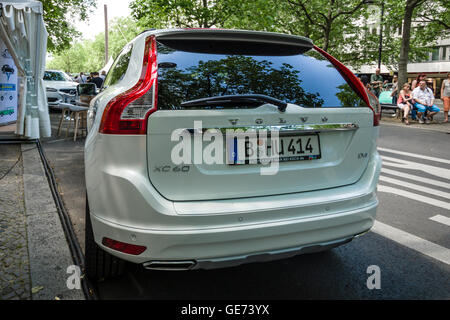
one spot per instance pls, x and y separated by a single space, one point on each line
169 265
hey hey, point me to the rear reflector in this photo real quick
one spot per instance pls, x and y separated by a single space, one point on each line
123 247
355 84
128 112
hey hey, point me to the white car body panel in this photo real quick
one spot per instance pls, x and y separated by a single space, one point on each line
173 229
219 225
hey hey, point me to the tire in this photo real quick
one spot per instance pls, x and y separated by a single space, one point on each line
99 264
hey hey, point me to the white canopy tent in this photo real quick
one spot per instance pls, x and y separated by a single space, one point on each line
23 31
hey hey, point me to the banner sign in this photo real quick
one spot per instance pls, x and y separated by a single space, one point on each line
8 87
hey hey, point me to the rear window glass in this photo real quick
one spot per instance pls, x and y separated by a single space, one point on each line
189 72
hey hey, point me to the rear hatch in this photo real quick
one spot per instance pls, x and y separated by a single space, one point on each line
325 129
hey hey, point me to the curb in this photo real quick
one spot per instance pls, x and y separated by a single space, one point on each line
49 253
429 127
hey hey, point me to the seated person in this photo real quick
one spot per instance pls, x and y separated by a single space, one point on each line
405 101
424 101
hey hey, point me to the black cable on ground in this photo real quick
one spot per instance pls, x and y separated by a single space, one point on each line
74 246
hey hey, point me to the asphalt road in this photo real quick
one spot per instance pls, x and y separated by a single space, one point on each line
410 242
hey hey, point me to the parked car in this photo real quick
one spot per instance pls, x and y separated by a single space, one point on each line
58 86
147 208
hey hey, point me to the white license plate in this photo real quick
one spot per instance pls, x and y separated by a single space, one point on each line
285 148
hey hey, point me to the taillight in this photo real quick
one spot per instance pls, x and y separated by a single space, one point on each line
355 84
123 247
128 112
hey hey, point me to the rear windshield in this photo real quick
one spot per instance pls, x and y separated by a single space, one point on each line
190 71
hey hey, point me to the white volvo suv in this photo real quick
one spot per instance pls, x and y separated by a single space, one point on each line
58 84
211 148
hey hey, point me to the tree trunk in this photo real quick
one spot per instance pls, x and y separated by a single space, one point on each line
328 23
204 22
405 45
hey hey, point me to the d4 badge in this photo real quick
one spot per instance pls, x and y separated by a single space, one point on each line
362 155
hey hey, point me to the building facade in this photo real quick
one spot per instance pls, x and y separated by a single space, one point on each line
435 66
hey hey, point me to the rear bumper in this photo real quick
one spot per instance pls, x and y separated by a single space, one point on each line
254 229
217 248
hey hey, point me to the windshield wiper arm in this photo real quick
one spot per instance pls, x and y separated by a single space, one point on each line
210 101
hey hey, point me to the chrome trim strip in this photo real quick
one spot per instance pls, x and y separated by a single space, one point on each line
292 129
169 265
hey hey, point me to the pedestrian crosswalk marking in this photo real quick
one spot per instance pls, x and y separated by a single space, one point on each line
400 163
422 193
415 196
416 178
411 241
416 187
415 155
441 219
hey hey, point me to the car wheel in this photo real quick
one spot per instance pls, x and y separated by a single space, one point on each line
100 265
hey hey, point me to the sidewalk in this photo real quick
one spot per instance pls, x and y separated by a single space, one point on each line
434 125
34 255
15 280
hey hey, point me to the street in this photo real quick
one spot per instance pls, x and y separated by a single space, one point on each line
410 242
142 141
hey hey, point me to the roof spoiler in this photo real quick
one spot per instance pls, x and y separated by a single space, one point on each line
234 35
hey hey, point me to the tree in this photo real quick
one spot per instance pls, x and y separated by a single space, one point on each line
338 26
88 55
406 38
56 15
421 23
183 13
321 20
70 60
330 17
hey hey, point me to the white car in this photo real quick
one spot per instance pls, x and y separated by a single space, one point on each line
211 148
58 84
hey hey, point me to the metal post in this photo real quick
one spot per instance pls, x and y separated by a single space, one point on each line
380 47
106 34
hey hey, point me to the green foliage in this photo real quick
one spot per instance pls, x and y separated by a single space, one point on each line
321 20
431 19
89 55
56 14
339 26
348 97
183 13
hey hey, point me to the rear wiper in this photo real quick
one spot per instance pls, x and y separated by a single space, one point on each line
258 98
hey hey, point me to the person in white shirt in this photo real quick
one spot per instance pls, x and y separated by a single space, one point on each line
82 78
424 102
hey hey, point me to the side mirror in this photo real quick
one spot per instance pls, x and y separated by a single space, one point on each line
87 89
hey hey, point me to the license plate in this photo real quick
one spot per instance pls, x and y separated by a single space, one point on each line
285 148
